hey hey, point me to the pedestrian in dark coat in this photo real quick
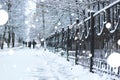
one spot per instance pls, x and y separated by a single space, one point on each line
23 43
29 44
26 44
34 43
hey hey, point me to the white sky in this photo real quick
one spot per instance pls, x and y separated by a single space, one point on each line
29 12
30 7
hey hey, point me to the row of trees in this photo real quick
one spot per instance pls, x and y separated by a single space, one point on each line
58 13
14 28
66 11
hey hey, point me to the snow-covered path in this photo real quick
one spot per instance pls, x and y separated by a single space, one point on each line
24 64
37 64
29 64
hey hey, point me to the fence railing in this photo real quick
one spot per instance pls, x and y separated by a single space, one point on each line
92 40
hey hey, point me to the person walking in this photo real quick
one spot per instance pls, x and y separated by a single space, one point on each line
34 43
29 44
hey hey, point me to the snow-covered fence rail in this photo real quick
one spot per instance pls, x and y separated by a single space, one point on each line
91 41
100 66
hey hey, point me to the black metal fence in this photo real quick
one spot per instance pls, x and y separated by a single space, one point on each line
90 42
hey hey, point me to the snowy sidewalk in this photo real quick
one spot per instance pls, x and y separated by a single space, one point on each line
37 64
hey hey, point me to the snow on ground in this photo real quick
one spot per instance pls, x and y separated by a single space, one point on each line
36 64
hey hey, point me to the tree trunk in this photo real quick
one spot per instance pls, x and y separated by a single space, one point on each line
13 39
9 39
3 38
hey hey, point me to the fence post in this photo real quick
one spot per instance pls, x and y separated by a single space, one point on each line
62 38
76 41
68 32
55 35
92 41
